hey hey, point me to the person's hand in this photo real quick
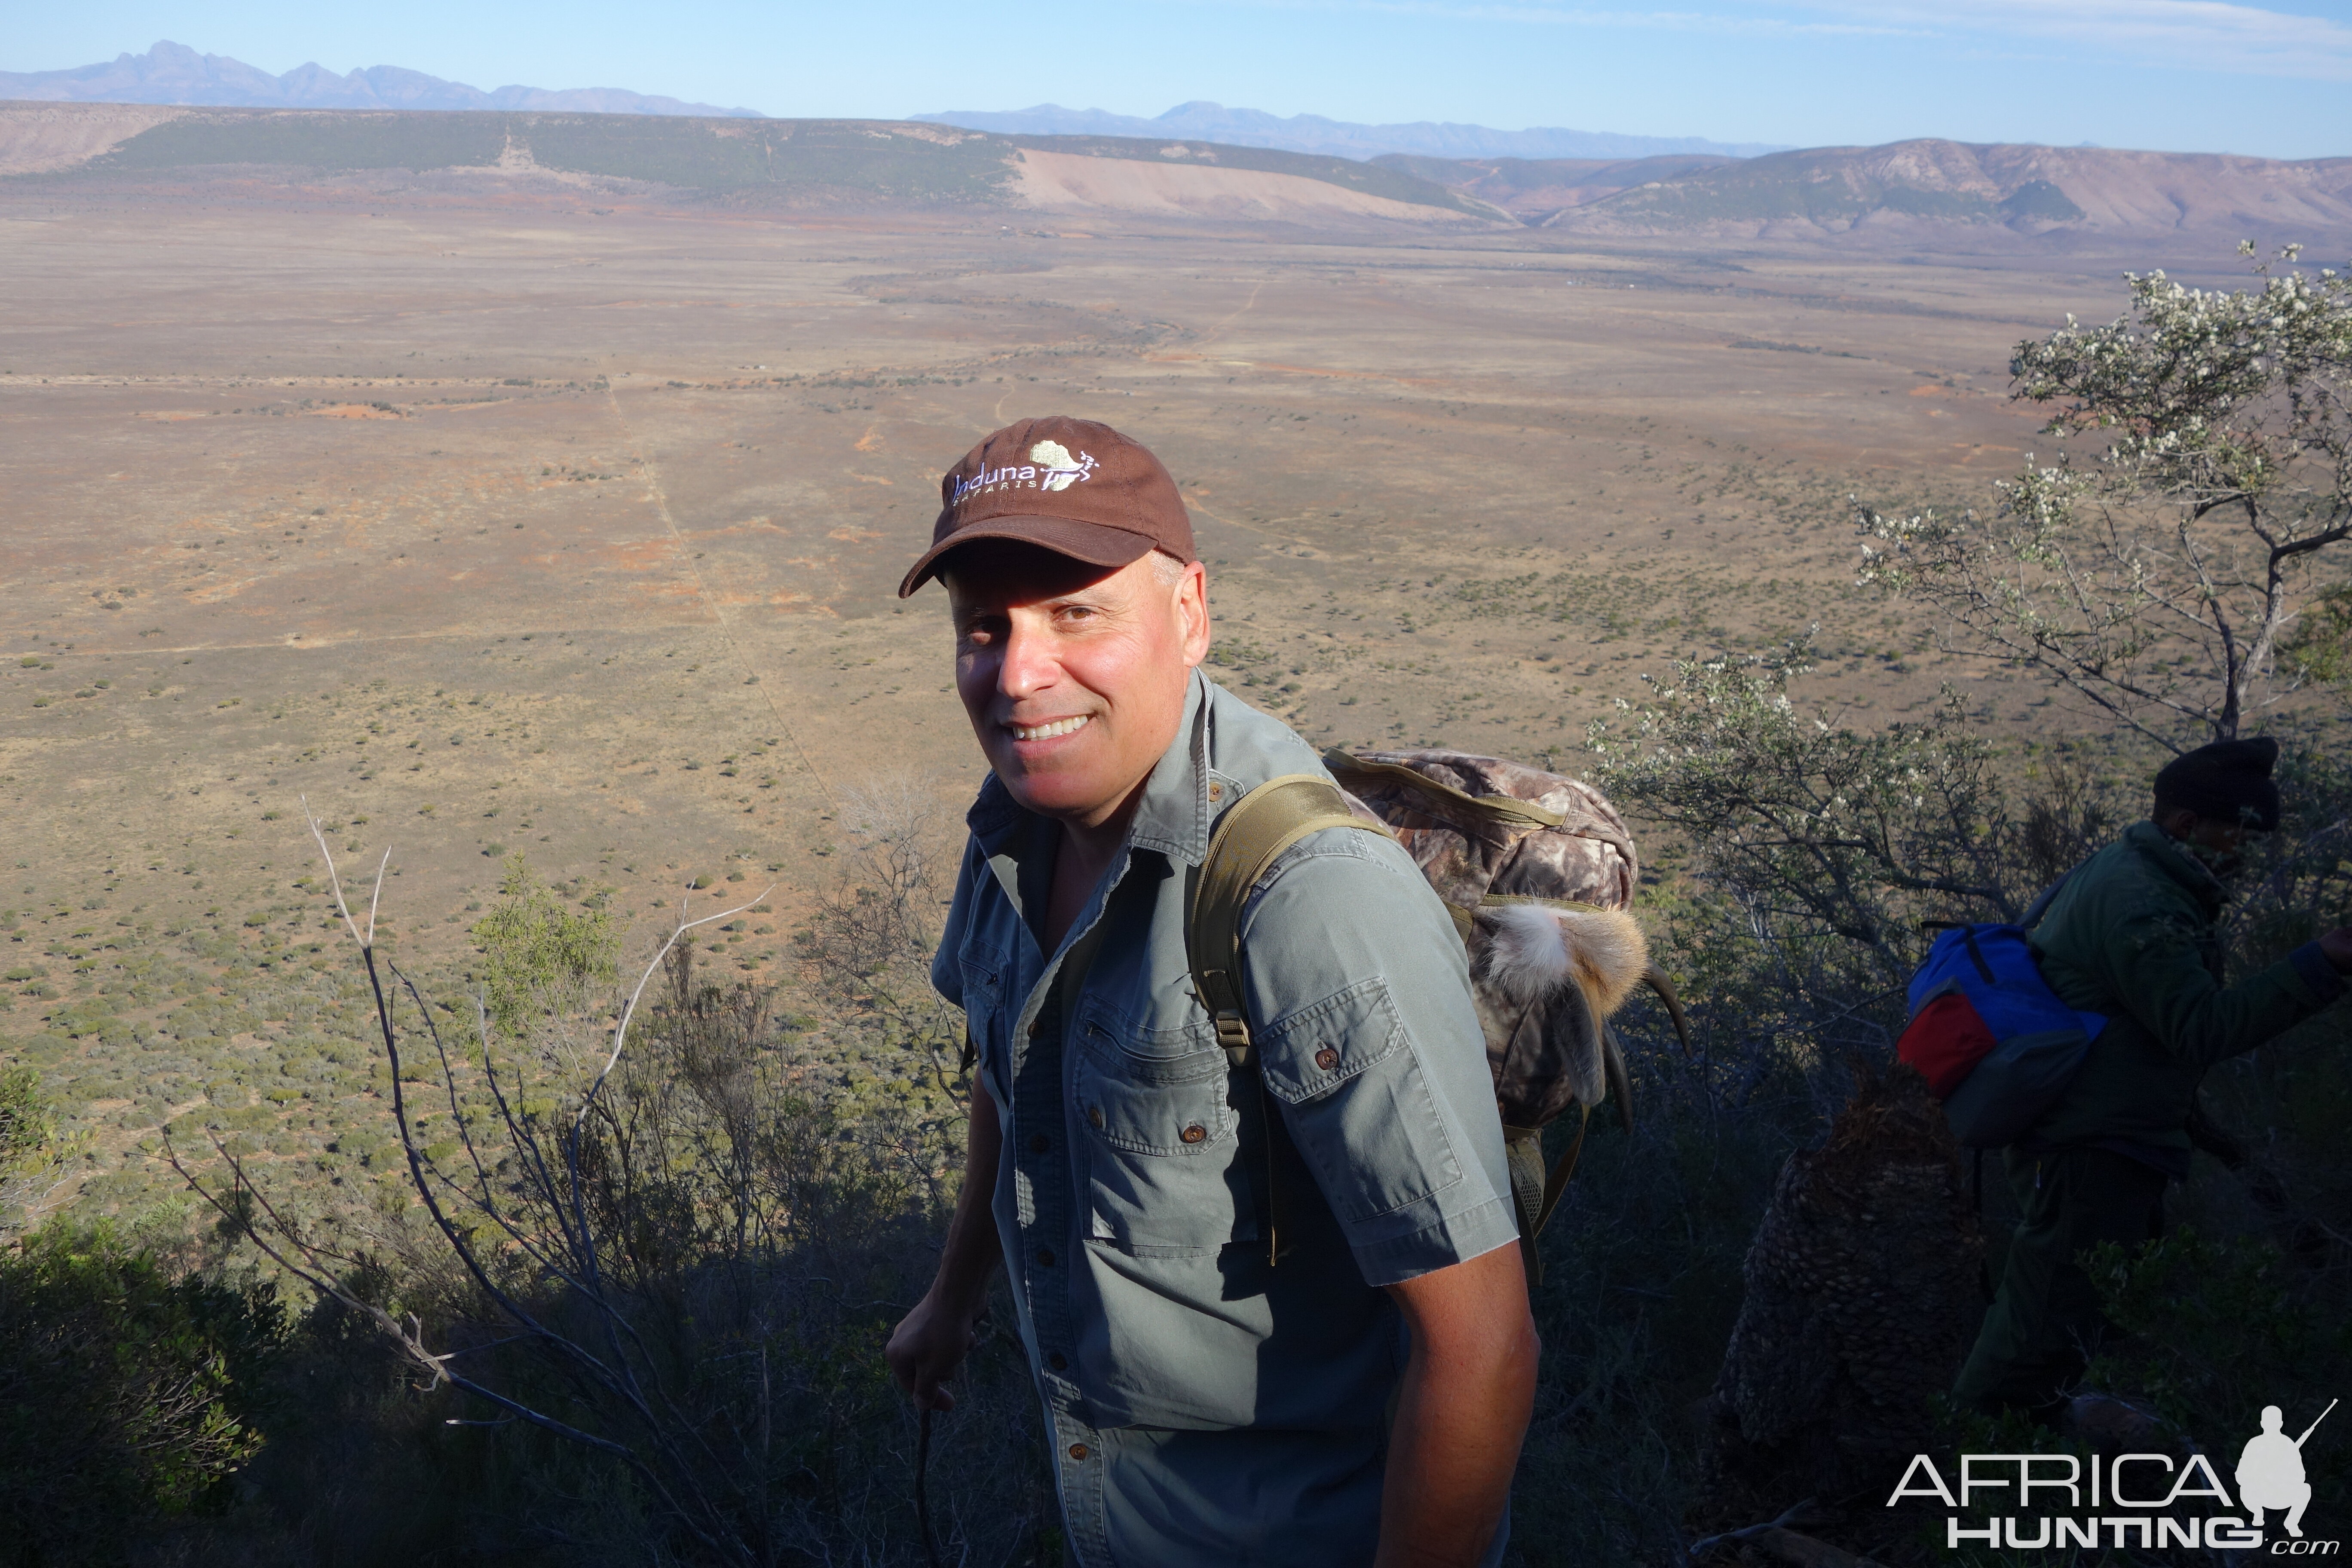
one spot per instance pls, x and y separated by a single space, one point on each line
2338 947
927 1347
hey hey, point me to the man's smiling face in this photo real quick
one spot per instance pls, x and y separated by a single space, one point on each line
1074 674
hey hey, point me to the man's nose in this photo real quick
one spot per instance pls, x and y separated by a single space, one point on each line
1029 665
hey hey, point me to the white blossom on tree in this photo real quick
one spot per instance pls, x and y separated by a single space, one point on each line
2155 574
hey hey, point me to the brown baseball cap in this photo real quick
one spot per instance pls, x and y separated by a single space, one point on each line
1071 486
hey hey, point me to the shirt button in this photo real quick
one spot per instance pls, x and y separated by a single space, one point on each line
1094 1115
1216 791
1058 1362
1193 1133
1326 1059
1045 1257
1078 1450
1036 1028
1040 1145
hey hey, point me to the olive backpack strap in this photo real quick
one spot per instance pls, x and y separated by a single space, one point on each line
1258 828
1536 1193
1252 835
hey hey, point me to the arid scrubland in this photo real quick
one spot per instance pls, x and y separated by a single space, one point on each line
572 534
567 531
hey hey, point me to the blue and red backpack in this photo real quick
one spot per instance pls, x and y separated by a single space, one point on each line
1993 1041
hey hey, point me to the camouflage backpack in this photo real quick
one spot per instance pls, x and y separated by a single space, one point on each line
1537 870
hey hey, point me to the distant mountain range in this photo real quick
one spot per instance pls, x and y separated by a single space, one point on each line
1208 121
1907 194
173 73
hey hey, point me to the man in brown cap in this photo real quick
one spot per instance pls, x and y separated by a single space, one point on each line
2133 933
1361 1397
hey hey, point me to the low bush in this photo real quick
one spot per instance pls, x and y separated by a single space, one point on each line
128 1397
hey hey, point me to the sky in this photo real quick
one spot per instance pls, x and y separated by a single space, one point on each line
2273 79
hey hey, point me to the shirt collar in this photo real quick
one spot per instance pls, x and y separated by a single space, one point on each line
2178 863
1172 817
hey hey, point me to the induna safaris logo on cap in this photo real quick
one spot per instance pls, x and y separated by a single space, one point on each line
2155 1498
1050 467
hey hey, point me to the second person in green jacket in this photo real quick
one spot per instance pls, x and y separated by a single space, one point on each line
2134 934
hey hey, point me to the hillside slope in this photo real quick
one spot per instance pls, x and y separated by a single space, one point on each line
749 161
1532 189
37 138
922 164
2026 189
1376 180
1203 120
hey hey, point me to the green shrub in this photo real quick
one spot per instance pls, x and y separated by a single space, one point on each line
2218 1328
537 953
126 1396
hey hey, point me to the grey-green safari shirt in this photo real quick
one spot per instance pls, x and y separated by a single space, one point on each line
1204 1407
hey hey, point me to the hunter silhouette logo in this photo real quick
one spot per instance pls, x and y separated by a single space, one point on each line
1059 470
2270 1472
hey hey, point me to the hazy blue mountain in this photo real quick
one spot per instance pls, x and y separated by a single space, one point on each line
1313 133
173 73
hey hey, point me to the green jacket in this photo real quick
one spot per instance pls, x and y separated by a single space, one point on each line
2132 935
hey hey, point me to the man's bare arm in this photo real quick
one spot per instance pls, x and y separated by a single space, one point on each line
931 1341
1468 1391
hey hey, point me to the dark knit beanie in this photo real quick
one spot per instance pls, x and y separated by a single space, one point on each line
2229 781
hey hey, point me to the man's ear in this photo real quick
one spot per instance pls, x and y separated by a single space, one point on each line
1193 612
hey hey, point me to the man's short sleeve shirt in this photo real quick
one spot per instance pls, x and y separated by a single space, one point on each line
1138 1180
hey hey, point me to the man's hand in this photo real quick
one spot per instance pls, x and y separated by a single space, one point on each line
1468 1391
2338 947
928 1346
931 1341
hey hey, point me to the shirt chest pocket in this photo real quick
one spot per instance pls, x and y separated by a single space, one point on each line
1153 1107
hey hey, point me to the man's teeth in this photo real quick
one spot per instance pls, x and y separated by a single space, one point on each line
1048 732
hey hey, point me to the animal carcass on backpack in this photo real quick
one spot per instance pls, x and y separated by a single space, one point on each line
1537 870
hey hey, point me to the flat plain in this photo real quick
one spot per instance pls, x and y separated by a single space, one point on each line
552 522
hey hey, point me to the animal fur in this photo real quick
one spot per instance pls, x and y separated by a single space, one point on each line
1534 948
1545 980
